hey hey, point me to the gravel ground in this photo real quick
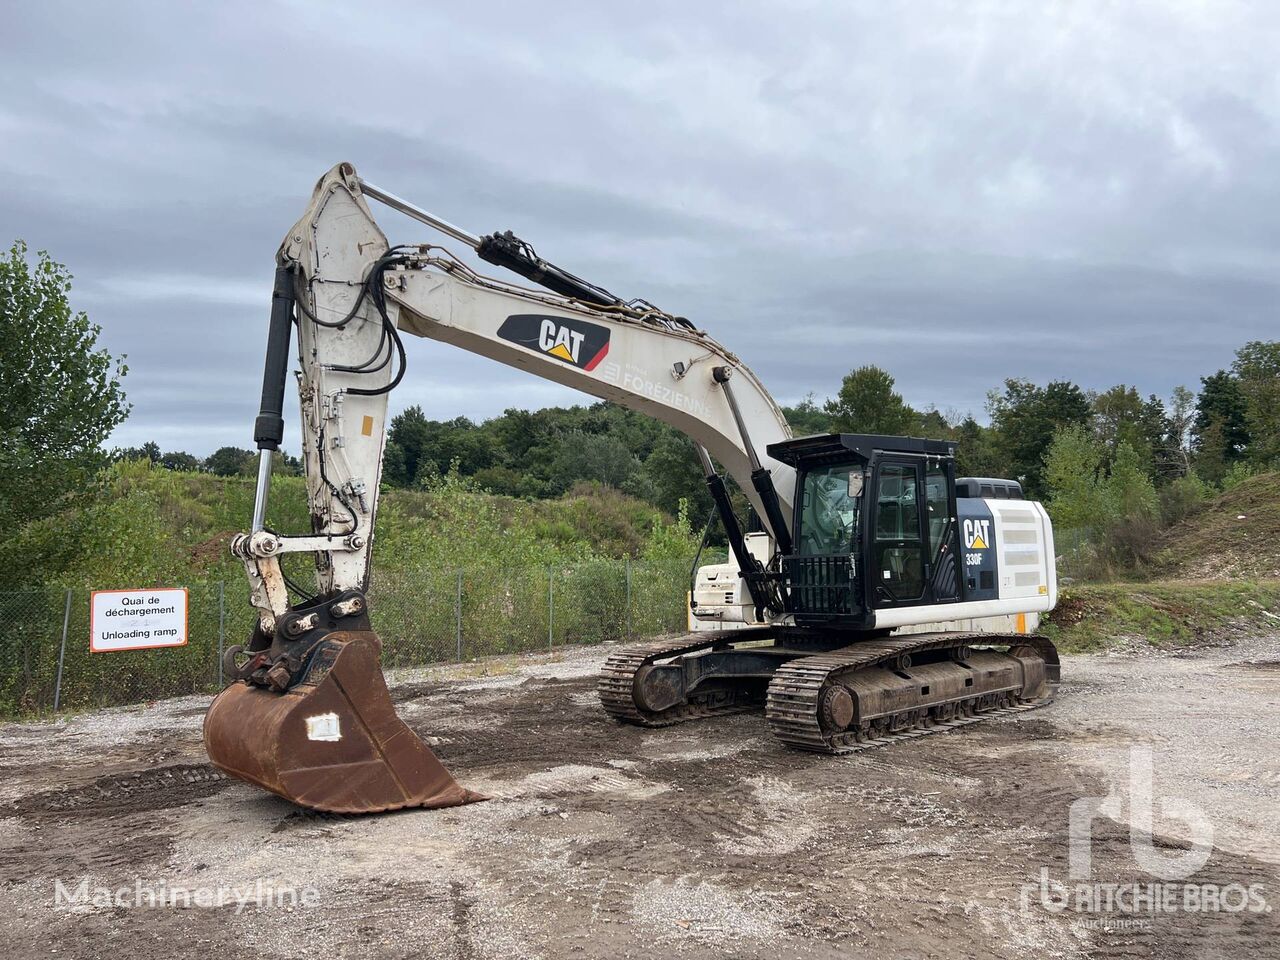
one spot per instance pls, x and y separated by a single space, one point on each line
704 840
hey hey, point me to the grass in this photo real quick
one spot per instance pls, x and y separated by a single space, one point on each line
1236 534
1165 614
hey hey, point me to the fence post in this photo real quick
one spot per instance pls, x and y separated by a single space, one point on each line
222 624
62 653
551 606
628 561
457 609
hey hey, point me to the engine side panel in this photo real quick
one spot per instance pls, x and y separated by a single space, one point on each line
978 553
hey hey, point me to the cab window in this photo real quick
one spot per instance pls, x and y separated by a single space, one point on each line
899 552
939 509
829 514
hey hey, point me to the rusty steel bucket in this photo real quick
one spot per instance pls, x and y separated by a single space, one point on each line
331 742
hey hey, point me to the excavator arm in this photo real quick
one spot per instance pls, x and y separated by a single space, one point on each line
308 678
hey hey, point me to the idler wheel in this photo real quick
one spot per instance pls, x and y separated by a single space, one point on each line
837 708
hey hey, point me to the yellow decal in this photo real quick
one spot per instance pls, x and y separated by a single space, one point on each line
977 534
1044 590
561 351
1022 623
366 427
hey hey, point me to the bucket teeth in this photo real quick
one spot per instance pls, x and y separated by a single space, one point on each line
333 741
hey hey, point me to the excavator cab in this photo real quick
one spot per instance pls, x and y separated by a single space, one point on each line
875 526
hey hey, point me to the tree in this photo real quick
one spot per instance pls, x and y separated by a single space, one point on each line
1257 370
149 451
419 449
60 393
673 474
395 471
181 461
867 403
1176 453
1073 476
1130 492
1221 431
230 462
594 457
806 418
1120 415
1114 510
1025 418
976 454
934 425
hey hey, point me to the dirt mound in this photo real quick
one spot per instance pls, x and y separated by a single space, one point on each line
1235 535
158 789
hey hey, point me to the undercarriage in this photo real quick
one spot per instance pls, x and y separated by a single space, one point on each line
825 694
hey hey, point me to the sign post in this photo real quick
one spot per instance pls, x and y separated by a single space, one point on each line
137 619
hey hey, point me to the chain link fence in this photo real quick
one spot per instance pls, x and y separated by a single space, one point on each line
422 618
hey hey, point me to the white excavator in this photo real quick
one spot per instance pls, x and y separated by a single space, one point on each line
884 597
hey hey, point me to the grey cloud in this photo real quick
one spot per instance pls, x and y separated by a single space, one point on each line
961 195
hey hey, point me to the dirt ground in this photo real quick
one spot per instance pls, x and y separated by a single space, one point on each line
706 840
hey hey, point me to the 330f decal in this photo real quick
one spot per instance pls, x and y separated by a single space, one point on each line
569 340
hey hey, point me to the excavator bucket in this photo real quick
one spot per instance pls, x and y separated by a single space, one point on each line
332 741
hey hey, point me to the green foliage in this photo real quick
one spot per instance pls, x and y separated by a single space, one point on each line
149 451
1175 455
180 461
545 453
1234 534
1025 418
867 403
1121 416
1257 370
672 476
1167 615
1181 498
806 418
977 453
60 394
1238 473
1221 430
591 457
1129 490
1110 515
1074 478
230 462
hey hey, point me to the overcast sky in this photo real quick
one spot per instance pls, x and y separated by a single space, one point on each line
959 193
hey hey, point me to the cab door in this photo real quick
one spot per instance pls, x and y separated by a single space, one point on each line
942 563
897 568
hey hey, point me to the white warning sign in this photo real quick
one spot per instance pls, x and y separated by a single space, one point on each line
137 619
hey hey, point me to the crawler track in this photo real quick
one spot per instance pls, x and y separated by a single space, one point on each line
617 683
793 707
793 701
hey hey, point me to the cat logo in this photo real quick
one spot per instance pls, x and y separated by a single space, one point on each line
977 534
568 339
